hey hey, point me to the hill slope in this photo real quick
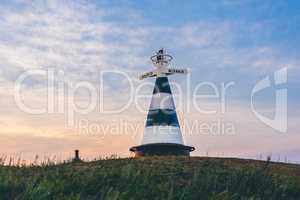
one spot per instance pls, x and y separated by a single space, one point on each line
153 178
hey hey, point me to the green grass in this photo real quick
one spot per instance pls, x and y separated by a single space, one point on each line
153 178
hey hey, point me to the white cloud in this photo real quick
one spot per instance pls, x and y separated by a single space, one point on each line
63 35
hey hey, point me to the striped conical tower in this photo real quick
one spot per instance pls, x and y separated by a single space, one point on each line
162 135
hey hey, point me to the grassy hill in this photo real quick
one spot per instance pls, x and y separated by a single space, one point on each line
153 178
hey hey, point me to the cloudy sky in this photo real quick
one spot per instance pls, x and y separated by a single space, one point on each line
93 51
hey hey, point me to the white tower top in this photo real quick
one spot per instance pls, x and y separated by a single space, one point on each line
161 61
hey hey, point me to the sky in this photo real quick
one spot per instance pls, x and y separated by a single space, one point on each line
95 50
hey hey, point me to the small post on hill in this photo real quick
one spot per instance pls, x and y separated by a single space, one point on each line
77 158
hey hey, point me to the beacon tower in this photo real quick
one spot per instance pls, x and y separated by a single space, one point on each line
162 134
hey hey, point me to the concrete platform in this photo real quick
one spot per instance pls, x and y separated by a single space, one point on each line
162 149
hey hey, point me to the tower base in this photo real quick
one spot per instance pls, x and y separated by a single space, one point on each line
162 149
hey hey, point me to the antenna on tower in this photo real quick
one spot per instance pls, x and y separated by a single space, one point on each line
161 59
